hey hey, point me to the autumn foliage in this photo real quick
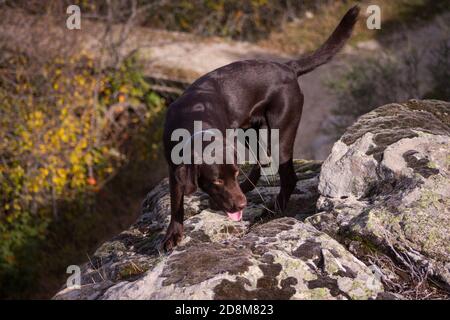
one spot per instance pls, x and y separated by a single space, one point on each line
61 138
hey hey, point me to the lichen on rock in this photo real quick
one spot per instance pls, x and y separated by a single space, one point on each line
383 193
283 258
386 184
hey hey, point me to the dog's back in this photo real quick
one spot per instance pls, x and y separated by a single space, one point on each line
245 83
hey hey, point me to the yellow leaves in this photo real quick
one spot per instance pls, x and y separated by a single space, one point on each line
80 80
123 89
59 179
88 159
44 172
60 102
34 188
25 142
259 3
74 158
58 144
36 120
109 170
15 174
64 113
83 144
63 135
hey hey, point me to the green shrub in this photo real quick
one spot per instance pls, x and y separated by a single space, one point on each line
248 19
375 81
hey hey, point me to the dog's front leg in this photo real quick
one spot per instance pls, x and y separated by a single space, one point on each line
174 232
251 179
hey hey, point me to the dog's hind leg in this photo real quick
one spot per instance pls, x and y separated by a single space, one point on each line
284 115
288 180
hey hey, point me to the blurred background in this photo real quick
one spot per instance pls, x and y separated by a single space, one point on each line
81 111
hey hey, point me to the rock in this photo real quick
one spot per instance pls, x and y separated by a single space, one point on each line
385 188
283 258
372 222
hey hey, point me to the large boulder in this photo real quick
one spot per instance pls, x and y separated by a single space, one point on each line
282 258
371 222
385 190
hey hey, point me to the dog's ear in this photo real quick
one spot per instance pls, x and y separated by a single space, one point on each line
186 176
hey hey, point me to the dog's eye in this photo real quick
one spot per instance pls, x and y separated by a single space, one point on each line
218 182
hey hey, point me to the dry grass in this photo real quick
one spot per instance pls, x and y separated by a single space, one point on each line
399 274
407 280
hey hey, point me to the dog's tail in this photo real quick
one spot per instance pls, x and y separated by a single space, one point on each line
332 46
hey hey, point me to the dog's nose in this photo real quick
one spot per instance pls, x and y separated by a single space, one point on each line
242 204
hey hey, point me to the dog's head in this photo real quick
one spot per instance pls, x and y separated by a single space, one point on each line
219 181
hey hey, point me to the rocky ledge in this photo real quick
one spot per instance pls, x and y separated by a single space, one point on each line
372 222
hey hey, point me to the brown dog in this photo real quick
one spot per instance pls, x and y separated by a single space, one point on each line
245 94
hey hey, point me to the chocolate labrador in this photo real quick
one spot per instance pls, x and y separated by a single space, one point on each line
244 94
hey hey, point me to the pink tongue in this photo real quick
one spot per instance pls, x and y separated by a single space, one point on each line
235 216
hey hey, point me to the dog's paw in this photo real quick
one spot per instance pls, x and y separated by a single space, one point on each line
173 236
270 212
